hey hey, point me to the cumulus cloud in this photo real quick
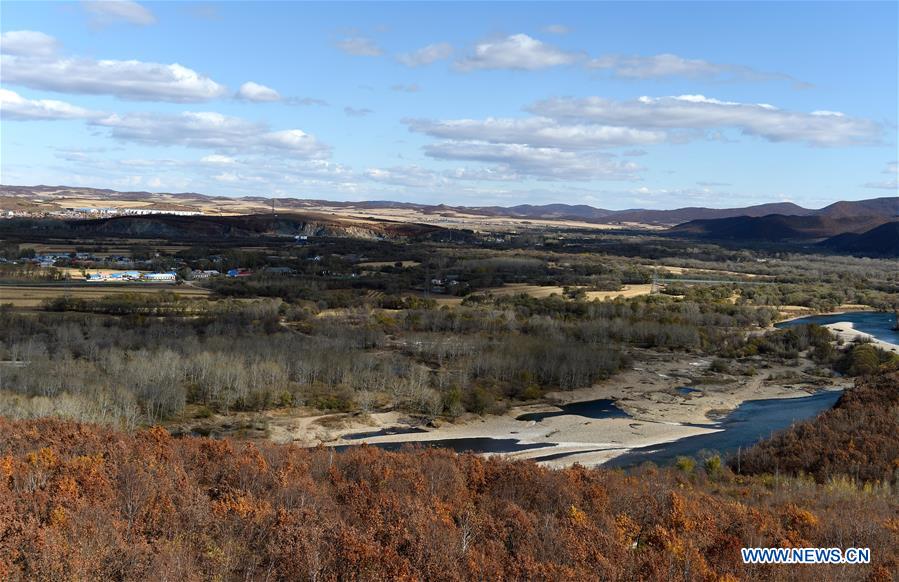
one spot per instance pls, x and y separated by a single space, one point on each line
257 93
132 80
360 46
539 162
426 55
210 130
517 52
14 106
27 43
105 12
536 131
697 112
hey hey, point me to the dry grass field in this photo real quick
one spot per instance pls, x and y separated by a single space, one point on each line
32 296
541 291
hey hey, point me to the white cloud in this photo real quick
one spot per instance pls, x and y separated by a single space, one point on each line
27 43
409 176
255 92
209 130
557 29
539 162
668 65
518 51
360 46
133 80
226 177
697 112
217 159
664 65
536 131
892 168
14 106
884 185
426 55
109 11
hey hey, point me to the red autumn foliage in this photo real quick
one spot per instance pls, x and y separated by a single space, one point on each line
89 503
858 437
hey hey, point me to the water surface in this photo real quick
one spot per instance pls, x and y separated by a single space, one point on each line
595 409
383 432
749 423
877 323
463 445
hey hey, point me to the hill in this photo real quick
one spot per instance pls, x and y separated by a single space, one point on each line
681 215
778 227
888 207
857 437
174 227
54 198
882 241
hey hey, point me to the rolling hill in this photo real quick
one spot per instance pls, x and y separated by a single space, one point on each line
54 198
882 241
225 227
777 227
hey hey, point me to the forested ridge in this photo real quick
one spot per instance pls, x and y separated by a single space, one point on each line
859 437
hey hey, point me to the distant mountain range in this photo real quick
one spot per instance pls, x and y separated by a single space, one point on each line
851 212
867 227
778 227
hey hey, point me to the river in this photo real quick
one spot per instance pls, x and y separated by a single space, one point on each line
877 323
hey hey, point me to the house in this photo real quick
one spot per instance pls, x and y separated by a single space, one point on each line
205 274
239 273
160 276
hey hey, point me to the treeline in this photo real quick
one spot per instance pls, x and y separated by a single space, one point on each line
142 358
858 437
86 503
152 304
859 358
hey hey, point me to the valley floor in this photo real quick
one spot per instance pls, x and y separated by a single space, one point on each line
657 412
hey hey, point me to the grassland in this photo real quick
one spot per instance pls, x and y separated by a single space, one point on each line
33 296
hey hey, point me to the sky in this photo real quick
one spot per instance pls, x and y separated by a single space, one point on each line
612 104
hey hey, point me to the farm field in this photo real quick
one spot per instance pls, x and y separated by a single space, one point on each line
33 296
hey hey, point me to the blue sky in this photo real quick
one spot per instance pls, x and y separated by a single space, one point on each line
616 105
